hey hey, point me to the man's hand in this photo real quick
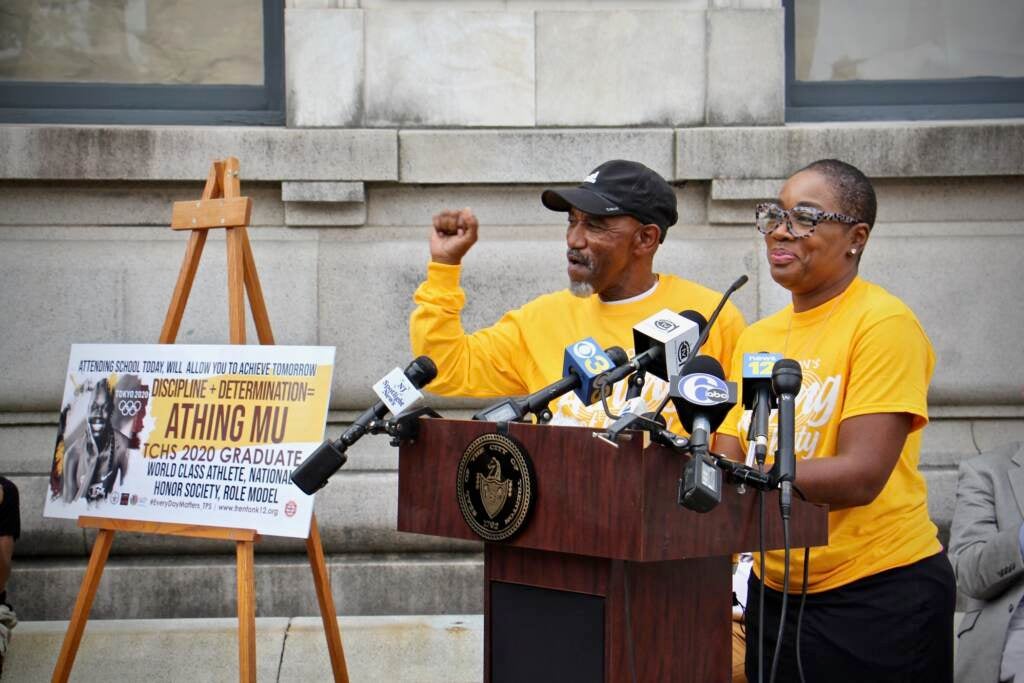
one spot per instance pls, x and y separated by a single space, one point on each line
454 233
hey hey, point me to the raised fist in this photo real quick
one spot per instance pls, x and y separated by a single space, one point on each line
454 233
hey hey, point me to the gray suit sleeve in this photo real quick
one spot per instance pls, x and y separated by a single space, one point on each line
986 558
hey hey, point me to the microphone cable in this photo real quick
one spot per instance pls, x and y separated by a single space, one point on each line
760 600
785 600
606 390
803 597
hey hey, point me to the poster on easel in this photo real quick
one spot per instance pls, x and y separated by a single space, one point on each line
190 434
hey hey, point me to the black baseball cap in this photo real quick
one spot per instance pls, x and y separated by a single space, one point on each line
617 188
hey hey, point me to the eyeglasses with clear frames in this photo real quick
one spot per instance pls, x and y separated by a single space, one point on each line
800 221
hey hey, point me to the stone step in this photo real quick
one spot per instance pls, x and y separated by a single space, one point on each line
203 586
425 649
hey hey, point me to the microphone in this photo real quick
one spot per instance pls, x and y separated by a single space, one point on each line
313 473
759 397
740 281
702 399
585 360
786 379
584 363
662 343
636 382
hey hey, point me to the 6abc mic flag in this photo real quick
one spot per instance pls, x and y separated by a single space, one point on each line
676 334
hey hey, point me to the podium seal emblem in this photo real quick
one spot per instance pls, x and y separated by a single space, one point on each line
496 486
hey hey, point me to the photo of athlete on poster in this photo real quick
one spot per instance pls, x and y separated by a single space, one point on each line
98 428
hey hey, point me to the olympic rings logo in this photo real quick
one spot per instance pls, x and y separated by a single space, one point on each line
129 408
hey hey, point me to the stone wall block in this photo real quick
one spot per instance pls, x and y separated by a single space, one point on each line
354 273
286 267
714 263
27 448
53 297
526 156
449 68
990 434
963 314
950 265
746 67
879 149
905 205
322 192
415 205
617 84
110 290
725 189
975 200
945 442
324 68
732 212
132 205
186 152
44 536
941 499
329 214
515 205
744 4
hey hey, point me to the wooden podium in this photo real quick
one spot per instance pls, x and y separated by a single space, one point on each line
609 580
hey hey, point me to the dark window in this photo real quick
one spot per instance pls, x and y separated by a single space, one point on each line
142 61
912 59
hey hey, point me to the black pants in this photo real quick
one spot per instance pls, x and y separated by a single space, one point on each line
894 626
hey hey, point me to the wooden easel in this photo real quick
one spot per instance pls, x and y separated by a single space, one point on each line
220 207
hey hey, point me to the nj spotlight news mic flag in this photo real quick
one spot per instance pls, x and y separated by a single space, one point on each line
190 434
398 392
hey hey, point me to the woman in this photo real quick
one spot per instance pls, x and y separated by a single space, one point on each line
881 594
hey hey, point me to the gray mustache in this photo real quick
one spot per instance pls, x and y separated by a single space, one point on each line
577 256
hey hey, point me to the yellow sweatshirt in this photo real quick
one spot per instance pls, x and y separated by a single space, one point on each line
523 351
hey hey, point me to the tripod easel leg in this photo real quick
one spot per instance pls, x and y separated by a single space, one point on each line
186 276
236 285
246 612
322 583
83 603
252 286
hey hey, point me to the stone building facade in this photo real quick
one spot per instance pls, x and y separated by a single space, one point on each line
396 109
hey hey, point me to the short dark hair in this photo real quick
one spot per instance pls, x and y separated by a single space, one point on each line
855 193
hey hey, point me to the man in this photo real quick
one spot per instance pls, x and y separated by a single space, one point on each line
10 530
94 459
986 545
617 218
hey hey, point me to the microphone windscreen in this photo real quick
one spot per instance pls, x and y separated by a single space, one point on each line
706 365
616 355
421 371
694 316
787 376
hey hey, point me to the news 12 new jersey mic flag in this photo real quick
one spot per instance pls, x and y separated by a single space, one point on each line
190 434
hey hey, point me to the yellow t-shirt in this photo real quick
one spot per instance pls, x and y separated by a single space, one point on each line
862 352
523 352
